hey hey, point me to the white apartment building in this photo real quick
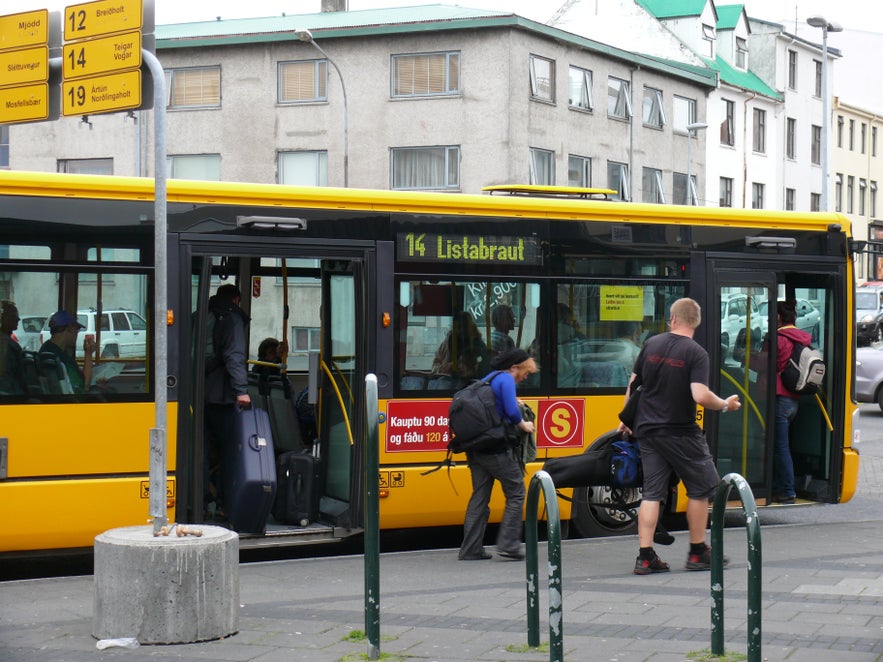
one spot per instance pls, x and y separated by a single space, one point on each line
436 97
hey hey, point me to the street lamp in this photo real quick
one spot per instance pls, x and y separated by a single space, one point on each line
307 36
822 22
691 132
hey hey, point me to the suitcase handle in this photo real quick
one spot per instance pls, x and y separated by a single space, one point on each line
257 443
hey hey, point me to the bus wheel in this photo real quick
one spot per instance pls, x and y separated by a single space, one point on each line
595 513
110 352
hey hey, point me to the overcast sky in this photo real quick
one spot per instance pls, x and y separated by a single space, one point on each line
853 14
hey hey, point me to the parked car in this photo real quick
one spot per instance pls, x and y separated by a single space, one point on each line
868 311
123 333
28 331
734 311
869 375
808 317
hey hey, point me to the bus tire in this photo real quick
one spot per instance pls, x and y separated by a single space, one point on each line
594 513
110 352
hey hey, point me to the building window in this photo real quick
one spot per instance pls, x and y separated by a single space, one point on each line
873 141
815 201
741 53
434 168
789 199
542 78
872 200
579 171
790 137
303 168
708 37
195 166
838 192
194 87
654 115
4 146
757 195
851 135
816 144
619 102
652 186
759 139
425 74
818 90
726 195
864 137
542 166
840 131
850 193
792 70
728 124
684 113
306 338
301 81
682 192
581 89
618 179
862 191
86 166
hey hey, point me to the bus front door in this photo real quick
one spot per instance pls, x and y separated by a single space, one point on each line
737 330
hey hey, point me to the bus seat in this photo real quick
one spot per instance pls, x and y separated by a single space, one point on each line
604 373
413 381
283 417
31 373
53 375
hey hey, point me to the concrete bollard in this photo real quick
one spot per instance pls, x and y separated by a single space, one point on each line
166 589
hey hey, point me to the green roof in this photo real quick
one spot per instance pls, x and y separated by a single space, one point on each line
747 80
728 16
673 8
398 20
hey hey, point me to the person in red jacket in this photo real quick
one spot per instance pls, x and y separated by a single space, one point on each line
787 402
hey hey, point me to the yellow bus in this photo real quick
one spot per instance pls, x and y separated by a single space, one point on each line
363 282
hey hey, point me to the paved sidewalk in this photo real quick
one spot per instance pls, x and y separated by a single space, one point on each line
822 602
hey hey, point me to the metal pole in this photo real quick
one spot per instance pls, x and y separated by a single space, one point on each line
346 149
158 510
689 165
372 520
825 118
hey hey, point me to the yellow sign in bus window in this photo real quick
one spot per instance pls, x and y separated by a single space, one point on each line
622 303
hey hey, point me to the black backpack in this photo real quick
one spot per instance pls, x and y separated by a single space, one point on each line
475 424
805 371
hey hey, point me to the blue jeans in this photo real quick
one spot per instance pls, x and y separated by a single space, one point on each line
485 469
783 467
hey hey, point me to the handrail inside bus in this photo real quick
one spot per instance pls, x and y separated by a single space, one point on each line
346 418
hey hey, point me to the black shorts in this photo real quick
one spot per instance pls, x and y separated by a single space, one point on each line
687 455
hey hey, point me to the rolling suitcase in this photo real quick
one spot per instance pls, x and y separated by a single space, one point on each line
250 484
300 488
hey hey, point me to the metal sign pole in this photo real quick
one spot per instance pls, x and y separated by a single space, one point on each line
158 449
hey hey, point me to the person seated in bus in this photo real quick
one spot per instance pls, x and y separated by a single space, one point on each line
64 329
271 350
503 321
12 381
461 357
628 343
569 337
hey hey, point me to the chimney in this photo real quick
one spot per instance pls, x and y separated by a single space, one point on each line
335 5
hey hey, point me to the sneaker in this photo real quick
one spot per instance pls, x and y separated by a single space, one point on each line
651 565
515 555
702 561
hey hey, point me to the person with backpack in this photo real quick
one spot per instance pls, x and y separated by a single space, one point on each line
673 372
226 386
787 401
508 369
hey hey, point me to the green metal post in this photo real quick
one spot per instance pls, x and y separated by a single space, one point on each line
542 480
372 519
755 561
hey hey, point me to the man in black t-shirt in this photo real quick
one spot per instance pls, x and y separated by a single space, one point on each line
673 371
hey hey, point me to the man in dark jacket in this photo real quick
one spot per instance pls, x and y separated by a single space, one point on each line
226 385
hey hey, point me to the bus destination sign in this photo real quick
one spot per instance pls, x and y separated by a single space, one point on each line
467 249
